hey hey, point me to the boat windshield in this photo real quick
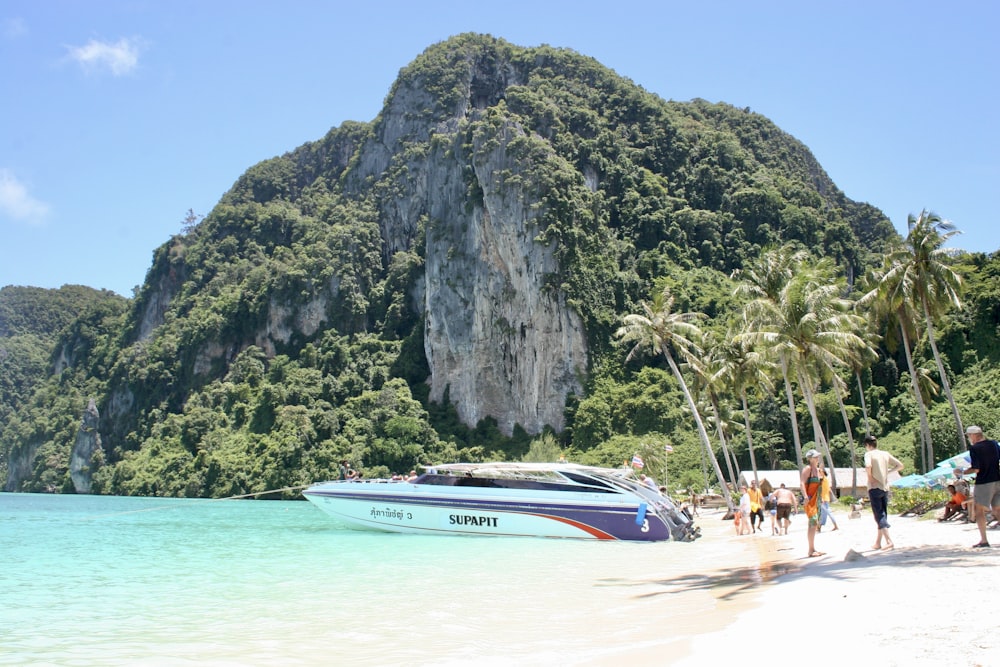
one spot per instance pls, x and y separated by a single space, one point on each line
543 479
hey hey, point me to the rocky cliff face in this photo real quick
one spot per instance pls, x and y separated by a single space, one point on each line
498 341
502 344
88 441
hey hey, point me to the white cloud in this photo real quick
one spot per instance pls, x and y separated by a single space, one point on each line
120 58
17 203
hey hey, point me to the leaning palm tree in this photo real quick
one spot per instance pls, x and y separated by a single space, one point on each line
712 382
934 284
888 299
665 332
746 369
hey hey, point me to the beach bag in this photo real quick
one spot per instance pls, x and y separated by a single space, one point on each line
769 503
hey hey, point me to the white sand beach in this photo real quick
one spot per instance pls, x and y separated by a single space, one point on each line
929 601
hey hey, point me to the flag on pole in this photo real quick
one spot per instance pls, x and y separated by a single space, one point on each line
637 461
668 448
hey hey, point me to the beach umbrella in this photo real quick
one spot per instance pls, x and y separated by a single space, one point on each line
940 473
911 482
939 477
957 461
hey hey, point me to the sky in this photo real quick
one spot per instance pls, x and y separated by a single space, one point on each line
117 117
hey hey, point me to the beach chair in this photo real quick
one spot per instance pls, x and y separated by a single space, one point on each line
920 509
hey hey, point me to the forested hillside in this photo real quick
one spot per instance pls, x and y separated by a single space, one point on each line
447 281
31 320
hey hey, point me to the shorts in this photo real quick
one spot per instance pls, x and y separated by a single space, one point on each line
784 511
987 495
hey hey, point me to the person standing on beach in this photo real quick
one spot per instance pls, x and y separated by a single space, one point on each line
878 465
784 499
811 483
984 455
744 510
825 496
756 507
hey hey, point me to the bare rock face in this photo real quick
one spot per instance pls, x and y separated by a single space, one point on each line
501 344
499 341
88 441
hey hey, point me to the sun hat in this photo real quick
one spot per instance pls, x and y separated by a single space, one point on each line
812 453
973 429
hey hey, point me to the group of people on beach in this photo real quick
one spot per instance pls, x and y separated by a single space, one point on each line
779 504
879 464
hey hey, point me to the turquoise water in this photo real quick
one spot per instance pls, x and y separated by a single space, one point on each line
94 580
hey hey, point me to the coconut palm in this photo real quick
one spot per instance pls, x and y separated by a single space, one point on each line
744 368
665 332
858 359
762 283
861 359
934 285
711 374
888 299
812 326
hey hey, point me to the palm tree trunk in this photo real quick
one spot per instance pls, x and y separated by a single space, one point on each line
927 450
850 440
945 384
864 408
704 470
733 479
818 434
702 433
746 425
791 412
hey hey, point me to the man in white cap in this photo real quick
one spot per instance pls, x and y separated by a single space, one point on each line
984 455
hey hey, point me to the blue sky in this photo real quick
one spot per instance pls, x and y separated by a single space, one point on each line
117 116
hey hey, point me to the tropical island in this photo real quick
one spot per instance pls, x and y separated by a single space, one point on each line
525 256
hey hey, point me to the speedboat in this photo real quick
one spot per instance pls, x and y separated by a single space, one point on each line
523 499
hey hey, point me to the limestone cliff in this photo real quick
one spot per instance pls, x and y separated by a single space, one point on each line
497 340
88 442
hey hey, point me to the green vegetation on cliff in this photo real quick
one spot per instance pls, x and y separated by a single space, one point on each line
286 330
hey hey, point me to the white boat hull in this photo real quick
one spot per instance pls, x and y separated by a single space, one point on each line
413 508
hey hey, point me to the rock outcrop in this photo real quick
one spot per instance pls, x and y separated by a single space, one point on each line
498 341
88 442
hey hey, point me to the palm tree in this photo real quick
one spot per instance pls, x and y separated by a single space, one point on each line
935 285
762 283
663 331
861 359
858 359
840 388
888 299
811 326
711 373
745 368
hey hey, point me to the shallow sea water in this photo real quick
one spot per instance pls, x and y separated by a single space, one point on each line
96 580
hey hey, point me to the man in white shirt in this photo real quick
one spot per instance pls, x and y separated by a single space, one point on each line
878 464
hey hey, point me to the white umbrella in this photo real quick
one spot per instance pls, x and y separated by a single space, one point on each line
938 476
957 461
